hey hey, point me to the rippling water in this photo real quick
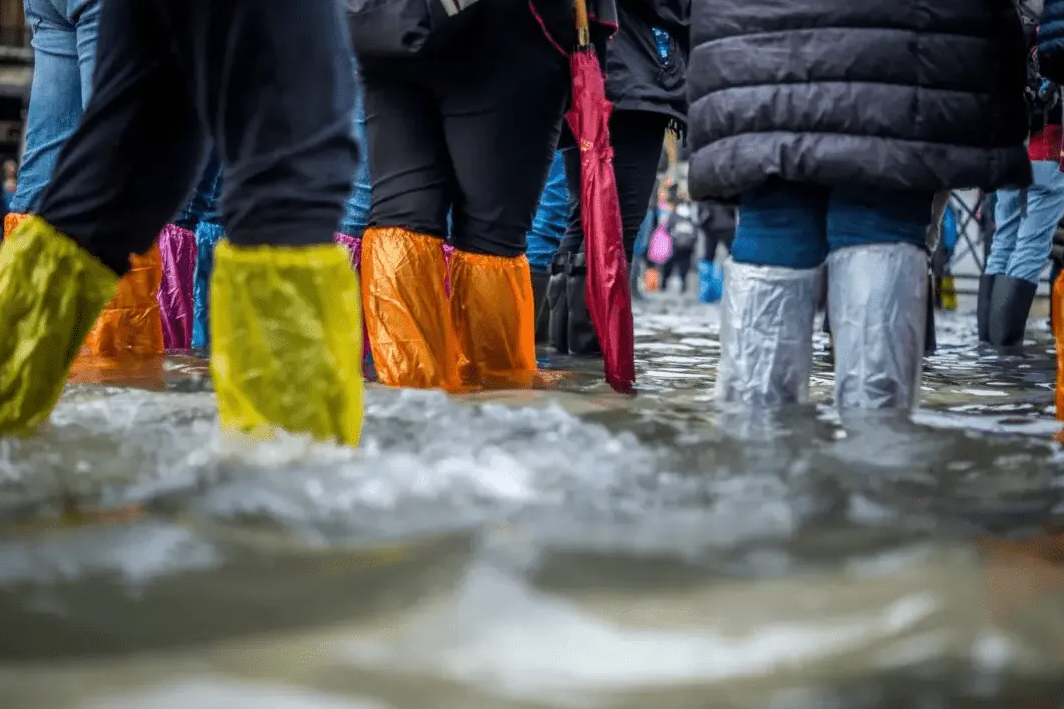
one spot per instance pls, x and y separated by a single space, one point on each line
563 547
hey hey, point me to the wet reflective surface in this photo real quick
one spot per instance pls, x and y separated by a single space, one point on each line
563 547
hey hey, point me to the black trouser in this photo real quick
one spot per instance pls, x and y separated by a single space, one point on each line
713 238
637 137
681 264
270 84
470 130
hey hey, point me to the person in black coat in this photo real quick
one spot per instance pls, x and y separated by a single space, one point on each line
833 124
646 67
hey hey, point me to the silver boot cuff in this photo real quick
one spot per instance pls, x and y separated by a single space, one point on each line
766 334
877 300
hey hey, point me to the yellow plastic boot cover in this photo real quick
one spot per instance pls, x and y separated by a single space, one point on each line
131 322
494 313
51 292
407 313
287 341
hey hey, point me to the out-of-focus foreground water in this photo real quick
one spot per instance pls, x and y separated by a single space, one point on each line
562 547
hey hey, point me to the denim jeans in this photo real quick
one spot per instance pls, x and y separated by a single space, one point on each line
1024 238
356 209
552 218
64 55
794 225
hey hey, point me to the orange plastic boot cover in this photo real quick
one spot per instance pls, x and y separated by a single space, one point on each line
494 315
131 324
12 221
406 310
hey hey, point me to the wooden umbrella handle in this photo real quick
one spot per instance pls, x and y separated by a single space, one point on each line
583 33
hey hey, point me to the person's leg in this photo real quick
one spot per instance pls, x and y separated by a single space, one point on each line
84 16
404 274
666 272
286 334
1008 211
179 296
502 117
54 106
1014 291
878 294
356 216
544 238
683 266
107 199
771 285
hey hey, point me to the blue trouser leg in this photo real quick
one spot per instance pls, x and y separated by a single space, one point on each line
1024 255
64 52
356 209
782 224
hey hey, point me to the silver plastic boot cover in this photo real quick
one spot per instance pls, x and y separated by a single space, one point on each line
766 334
877 298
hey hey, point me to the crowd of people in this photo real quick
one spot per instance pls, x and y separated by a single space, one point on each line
192 187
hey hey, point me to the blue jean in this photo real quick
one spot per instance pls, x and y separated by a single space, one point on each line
1023 241
551 219
64 55
356 210
794 225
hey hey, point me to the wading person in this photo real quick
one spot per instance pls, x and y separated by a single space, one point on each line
1026 219
835 141
285 323
469 129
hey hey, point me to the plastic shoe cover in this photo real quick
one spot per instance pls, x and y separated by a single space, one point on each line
407 311
287 341
877 295
12 221
494 314
353 244
208 234
766 334
131 323
51 291
177 248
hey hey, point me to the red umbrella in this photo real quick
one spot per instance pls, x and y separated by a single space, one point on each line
609 299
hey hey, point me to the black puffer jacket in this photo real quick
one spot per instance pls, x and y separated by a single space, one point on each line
918 95
636 77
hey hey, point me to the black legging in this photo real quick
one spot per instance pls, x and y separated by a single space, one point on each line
470 130
681 263
637 137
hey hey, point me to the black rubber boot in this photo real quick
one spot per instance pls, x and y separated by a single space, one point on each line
1010 304
558 304
982 308
930 339
581 333
540 281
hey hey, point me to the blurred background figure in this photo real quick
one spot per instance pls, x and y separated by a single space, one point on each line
834 170
684 228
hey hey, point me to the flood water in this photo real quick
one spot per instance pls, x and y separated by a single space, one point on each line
563 547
